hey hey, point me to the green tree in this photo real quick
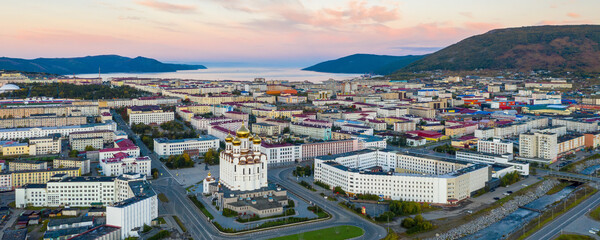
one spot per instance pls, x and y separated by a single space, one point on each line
339 190
89 148
73 153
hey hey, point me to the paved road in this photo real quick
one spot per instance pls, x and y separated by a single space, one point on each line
199 227
554 228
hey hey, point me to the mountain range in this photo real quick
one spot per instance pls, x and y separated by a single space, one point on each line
92 64
365 64
556 48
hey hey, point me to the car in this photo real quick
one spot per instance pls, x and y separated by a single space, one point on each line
469 211
524 185
593 232
493 190
506 194
595 229
509 192
496 198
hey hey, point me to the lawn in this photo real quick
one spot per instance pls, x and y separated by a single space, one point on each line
574 237
163 198
595 214
332 233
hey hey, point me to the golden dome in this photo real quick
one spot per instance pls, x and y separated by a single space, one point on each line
243 132
229 138
256 139
237 142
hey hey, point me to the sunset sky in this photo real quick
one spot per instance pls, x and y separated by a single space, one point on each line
264 31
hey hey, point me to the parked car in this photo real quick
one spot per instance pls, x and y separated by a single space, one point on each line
496 198
509 192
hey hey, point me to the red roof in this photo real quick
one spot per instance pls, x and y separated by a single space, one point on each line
426 134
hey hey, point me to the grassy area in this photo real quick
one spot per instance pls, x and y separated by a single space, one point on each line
163 198
200 206
574 237
595 214
44 226
332 233
189 189
180 223
558 187
557 214
161 220
12 204
391 235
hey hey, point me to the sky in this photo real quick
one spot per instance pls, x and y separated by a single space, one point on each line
295 32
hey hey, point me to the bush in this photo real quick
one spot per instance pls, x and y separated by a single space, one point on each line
417 224
386 216
229 213
371 197
404 208
509 179
322 184
339 190
291 203
146 228
200 206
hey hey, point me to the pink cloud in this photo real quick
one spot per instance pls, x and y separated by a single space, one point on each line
167 7
573 15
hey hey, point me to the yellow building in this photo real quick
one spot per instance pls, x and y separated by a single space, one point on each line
26 165
14 148
40 176
275 113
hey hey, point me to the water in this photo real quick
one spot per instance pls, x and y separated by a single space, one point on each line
238 73
518 218
590 170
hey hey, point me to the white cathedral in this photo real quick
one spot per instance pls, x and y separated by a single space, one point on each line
242 185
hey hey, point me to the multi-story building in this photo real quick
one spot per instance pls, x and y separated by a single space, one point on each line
539 145
122 148
83 164
11 148
107 136
405 126
491 159
151 117
592 140
24 111
237 115
496 146
281 154
26 165
166 147
312 131
311 150
201 123
360 129
120 164
422 112
80 144
266 129
43 120
576 126
22 133
21 178
51 144
132 213
405 176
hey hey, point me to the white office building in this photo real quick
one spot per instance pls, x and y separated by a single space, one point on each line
281 154
119 165
151 117
166 147
490 158
496 146
22 133
403 176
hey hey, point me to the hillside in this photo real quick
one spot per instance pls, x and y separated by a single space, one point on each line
364 63
90 64
555 48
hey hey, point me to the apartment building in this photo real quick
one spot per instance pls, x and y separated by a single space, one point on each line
541 145
22 133
235 115
42 120
45 145
312 131
107 136
26 165
82 164
25 111
580 126
80 144
422 112
266 129
405 126
311 150
201 123
21 178
122 148
12 148
166 147
592 140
